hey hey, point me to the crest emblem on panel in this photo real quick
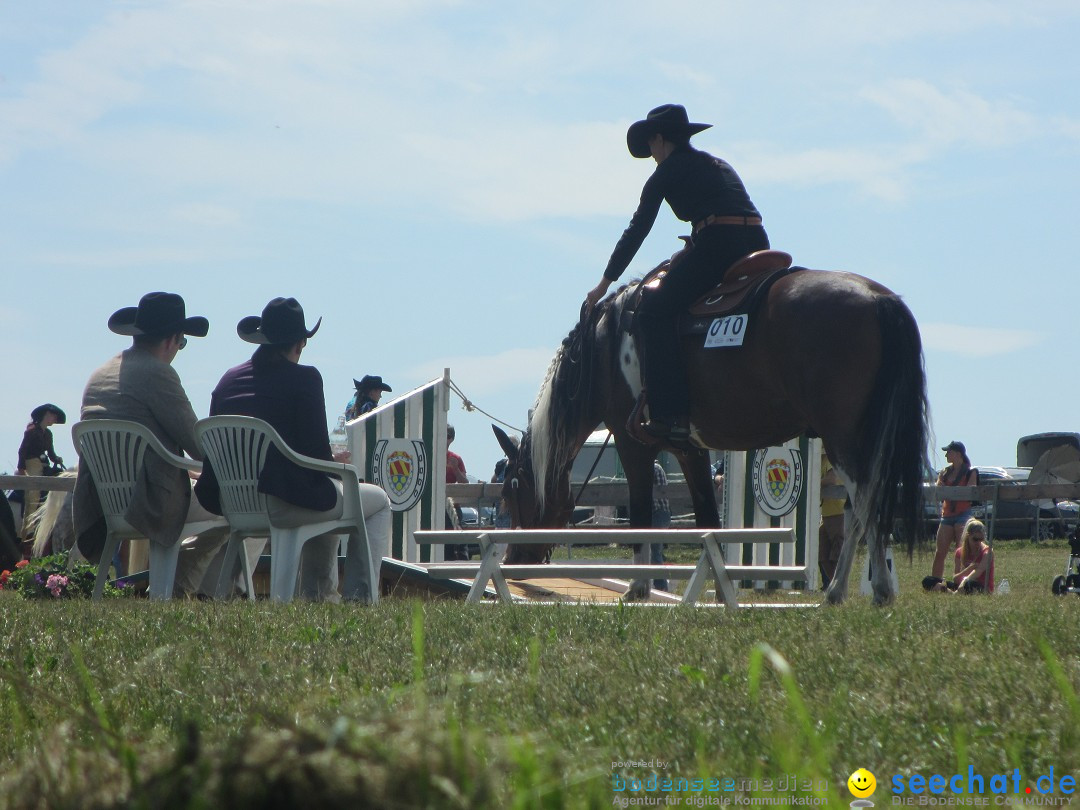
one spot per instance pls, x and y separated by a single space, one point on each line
777 480
400 467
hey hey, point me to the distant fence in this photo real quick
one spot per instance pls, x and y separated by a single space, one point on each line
615 493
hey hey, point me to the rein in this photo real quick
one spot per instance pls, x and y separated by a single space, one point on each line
579 354
592 469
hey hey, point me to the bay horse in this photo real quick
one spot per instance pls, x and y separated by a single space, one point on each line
827 353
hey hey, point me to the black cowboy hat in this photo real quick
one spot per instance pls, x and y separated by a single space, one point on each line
667 119
370 383
39 412
158 313
281 323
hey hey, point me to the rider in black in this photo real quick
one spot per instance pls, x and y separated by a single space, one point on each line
706 192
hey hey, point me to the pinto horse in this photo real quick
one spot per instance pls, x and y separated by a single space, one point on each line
827 353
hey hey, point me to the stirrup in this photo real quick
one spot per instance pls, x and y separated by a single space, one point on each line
657 428
677 434
679 437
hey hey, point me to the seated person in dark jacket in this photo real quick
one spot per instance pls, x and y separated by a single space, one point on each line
274 387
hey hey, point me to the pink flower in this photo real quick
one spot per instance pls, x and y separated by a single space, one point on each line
56 584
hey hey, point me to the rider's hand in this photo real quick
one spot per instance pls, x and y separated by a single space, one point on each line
594 295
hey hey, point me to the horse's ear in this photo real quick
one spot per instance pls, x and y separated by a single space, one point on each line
505 443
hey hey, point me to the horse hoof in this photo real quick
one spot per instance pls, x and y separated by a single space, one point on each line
638 591
834 596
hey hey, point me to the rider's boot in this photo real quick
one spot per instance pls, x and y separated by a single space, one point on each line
665 376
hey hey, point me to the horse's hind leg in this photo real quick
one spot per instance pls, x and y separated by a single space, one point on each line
855 529
699 479
838 586
836 593
880 581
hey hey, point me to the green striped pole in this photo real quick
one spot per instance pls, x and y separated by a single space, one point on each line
743 507
414 424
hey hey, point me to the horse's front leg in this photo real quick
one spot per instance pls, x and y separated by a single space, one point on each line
638 464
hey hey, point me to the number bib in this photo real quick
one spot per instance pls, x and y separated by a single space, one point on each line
727 331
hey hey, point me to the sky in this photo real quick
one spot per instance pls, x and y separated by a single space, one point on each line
442 181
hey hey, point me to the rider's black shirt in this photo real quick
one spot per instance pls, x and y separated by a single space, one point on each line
695 185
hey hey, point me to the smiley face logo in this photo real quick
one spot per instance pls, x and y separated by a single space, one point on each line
862 784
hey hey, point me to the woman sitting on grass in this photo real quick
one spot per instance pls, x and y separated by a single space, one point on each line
973 564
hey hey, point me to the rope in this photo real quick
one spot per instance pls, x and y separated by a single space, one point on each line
470 406
592 469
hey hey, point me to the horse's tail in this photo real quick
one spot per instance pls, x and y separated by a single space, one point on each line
43 520
896 426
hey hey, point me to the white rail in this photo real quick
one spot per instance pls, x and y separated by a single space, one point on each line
710 564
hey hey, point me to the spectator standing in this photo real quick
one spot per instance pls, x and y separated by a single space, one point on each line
831 528
455 474
954 514
718 480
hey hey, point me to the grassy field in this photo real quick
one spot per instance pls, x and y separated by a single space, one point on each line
440 704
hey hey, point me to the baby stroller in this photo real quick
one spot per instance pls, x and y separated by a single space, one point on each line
1069 582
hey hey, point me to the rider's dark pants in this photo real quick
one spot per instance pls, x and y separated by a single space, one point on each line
714 250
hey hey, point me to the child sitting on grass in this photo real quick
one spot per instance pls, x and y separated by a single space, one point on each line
973 563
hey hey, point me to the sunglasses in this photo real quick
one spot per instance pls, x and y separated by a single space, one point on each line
183 343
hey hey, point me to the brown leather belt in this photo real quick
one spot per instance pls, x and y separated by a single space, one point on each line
713 219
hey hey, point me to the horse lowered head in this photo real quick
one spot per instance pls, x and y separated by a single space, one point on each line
547 506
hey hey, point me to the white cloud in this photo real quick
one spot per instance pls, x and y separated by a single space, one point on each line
120 258
954 117
1068 127
684 74
293 105
974 341
204 213
876 173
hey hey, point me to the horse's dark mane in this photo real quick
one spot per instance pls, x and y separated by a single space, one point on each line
565 397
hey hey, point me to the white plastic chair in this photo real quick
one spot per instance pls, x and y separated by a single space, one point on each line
114 450
236 447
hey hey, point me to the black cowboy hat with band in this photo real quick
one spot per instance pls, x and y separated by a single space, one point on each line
669 120
158 313
281 323
39 412
371 383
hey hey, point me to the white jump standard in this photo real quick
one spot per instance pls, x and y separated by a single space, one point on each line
710 564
